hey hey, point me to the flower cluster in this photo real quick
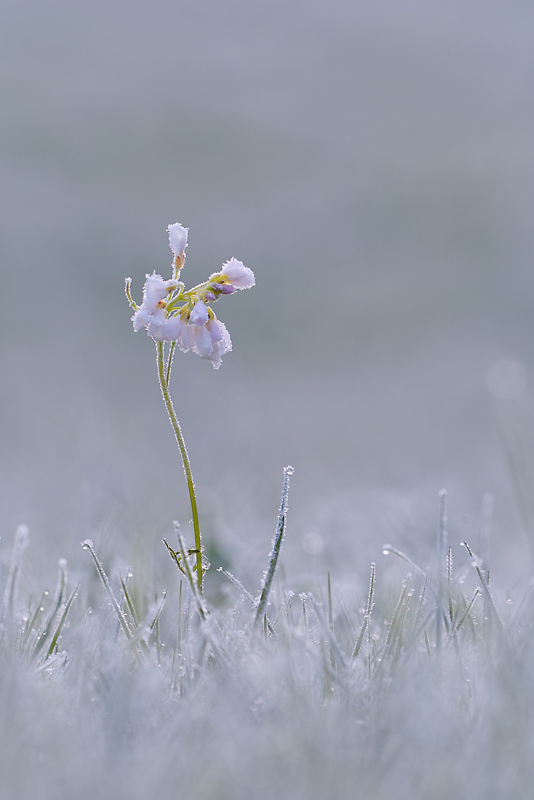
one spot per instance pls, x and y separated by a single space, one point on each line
172 314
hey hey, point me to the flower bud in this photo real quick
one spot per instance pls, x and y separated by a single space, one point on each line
177 238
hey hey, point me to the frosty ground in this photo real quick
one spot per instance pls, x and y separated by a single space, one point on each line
417 684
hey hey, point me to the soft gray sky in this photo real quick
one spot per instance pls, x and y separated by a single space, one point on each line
372 162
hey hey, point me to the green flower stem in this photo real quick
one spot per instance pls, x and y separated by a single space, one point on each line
164 374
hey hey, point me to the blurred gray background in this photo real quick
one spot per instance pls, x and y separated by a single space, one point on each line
371 161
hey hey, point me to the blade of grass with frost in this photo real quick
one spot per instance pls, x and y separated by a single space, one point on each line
61 622
468 609
303 600
419 613
159 609
367 616
88 545
387 549
286 605
246 594
401 626
124 583
335 648
449 585
129 604
32 622
484 584
330 616
154 625
58 599
442 550
276 548
394 629
186 569
483 542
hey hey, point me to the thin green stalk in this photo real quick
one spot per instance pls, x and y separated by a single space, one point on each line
169 363
164 373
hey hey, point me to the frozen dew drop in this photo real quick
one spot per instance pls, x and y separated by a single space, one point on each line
289 470
87 544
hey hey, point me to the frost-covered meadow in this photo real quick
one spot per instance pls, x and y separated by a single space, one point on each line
372 163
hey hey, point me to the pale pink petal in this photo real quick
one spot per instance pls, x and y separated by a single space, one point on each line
175 326
158 325
199 314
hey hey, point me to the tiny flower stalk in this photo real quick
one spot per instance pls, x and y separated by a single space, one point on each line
164 374
171 314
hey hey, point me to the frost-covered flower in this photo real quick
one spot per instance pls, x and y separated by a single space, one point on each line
170 313
197 330
209 340
155 292
239 276
177 238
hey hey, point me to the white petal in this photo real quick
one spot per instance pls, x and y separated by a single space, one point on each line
140 319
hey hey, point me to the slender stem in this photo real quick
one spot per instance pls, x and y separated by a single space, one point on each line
163 373
169 363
